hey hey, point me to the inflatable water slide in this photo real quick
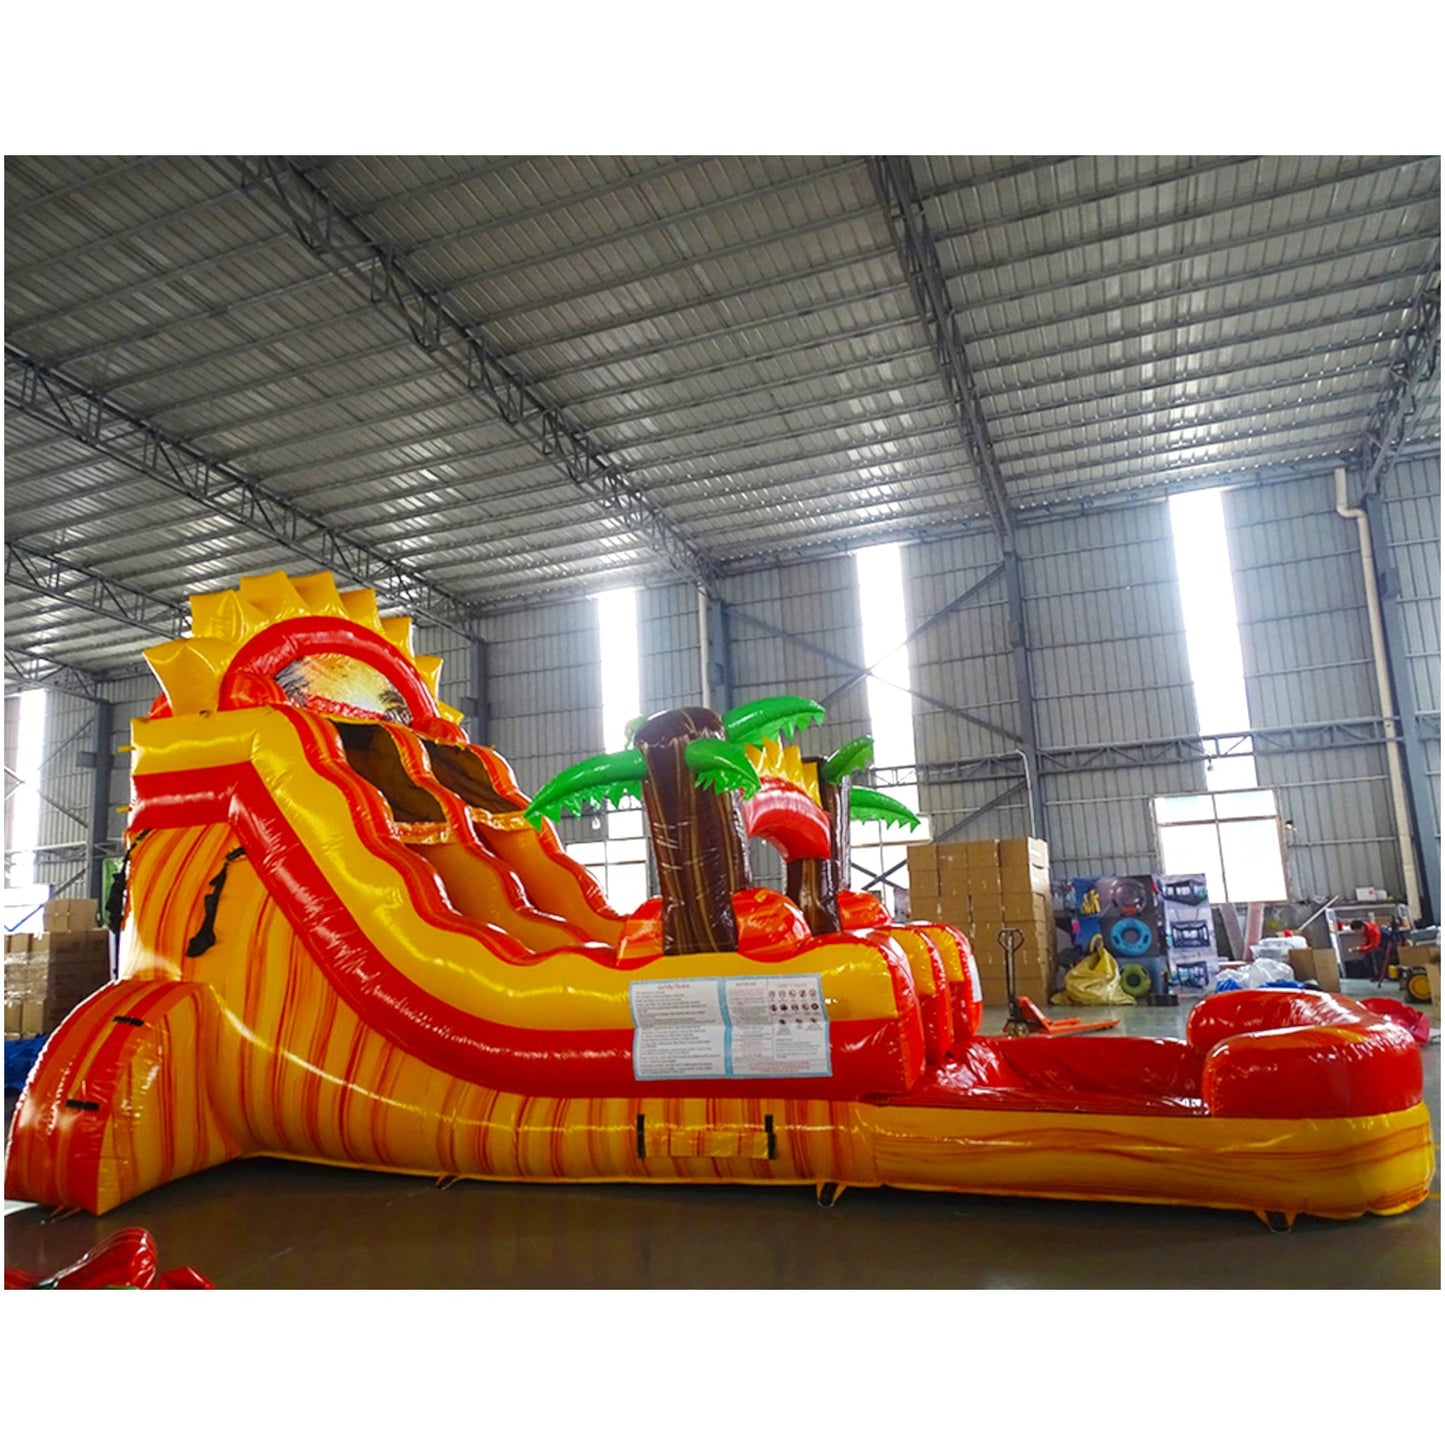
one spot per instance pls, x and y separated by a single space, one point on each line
348 937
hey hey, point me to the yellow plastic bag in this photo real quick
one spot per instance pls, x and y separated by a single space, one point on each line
1094 980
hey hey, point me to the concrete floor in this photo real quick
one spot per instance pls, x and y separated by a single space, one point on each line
267 1224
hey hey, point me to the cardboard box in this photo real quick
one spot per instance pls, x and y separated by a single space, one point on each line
71 915
1316 965
1023 864
1417 955
1026 905
922 861
957 884
1432 972
18 945
32 1019
1016 853
25 979
77 947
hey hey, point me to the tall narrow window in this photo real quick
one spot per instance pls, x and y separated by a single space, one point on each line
1211 629
618 856
1230 834
879 853
24 802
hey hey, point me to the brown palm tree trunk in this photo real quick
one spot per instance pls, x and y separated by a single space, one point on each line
698 836
813 883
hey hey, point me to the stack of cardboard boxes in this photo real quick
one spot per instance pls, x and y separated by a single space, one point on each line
47 974
985 887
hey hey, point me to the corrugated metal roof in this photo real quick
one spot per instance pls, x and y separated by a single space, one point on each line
734 335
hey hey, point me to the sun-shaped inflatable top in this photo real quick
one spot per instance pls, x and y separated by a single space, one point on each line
300 641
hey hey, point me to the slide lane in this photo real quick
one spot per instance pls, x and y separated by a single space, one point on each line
462 994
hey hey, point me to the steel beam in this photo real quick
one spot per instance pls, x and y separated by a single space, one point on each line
431 319
16 781
25 669
1428 200
740 615
1424 821
1410 371
947 610
73 410
78 586
902 205
533 261
1156 752
1203 210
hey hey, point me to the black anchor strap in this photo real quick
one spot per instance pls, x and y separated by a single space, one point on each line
115 899
206 933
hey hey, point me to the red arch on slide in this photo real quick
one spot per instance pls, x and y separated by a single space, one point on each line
250 678
785 816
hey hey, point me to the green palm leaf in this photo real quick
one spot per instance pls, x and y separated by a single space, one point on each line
608 777
868 806
850 758
721 766
755 723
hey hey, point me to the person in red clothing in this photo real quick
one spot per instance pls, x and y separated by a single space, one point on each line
1368 945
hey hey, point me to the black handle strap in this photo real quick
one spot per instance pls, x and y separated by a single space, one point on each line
206 933
115 899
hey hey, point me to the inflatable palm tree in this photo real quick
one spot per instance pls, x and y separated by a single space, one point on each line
814 883
689 766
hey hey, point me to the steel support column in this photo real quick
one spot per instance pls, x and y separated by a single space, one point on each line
1023 683
102 760
1424 820
904 206
475 706
715 652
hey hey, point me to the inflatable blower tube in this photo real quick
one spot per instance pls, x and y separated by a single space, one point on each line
1135 980
1131 937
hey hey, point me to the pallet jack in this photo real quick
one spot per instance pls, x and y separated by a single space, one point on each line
1024 1015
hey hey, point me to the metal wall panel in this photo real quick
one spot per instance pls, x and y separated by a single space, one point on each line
965 659
1338 829
1106 635
67 790
794 628
1304 632
545 688
1412 526
668 645
1102 821
455 681
1299 589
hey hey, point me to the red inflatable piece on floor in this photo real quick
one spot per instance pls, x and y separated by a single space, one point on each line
127 1260
1409 1018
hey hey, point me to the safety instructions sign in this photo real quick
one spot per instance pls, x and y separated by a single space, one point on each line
769 1026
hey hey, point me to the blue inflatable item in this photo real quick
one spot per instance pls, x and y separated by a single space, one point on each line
1130 937
20 1056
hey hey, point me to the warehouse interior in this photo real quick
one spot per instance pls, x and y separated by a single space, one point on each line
1102 491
